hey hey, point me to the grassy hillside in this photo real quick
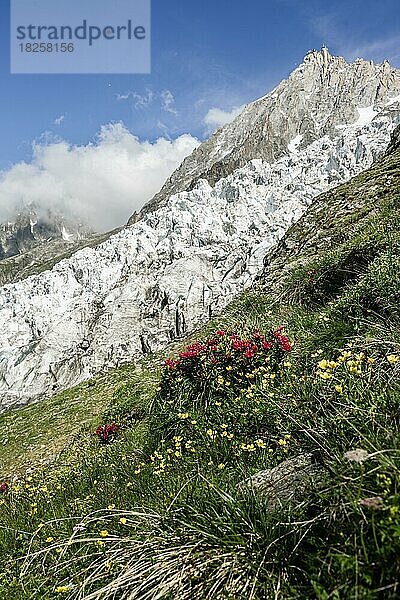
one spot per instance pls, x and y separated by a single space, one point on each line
39 434
162 507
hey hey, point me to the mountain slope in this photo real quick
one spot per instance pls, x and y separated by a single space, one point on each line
44 255
330 222
353 206
181 264
29 230
35 240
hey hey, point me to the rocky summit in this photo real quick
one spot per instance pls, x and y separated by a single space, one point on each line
204 237
320 96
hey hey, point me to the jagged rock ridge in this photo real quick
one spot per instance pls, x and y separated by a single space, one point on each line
323 93
29 229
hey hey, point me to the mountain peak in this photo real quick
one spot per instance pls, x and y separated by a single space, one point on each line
323 60
320 97
30 228
323 55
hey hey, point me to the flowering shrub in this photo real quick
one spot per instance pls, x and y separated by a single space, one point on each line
224 360
107 433
209 405
4 488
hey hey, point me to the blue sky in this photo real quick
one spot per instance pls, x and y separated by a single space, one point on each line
206 55
218 53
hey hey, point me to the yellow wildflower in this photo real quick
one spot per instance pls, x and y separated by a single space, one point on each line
393 359
323 364
325 375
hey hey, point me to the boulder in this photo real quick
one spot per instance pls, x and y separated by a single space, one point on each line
289 481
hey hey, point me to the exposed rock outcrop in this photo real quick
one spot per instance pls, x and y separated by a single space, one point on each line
289 481
29 230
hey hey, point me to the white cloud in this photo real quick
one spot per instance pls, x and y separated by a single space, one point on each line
164 128
59 120
216 117
168 101
164 99
121 97
139 101
103 182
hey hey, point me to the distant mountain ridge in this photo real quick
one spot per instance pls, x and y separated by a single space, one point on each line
29 229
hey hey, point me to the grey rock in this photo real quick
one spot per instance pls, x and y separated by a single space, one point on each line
290 481
28 229
394 142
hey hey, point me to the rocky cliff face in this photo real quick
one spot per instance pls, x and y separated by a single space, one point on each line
319 97
185 260
32 242
29 230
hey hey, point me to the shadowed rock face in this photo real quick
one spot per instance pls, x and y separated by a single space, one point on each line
28 230
394 142
178 265
321 95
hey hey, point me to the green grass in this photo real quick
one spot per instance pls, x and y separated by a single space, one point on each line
159 513
40 434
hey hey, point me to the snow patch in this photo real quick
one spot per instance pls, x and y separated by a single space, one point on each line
295 143
366 114
67 237
393 100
